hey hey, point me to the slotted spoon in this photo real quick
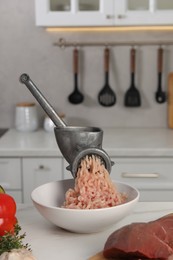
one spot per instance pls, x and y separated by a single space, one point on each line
132 96
106 96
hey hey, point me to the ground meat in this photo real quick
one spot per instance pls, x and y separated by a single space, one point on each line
93 187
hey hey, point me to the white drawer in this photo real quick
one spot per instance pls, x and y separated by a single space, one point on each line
10 173
147 173
156 195
37 171
152 176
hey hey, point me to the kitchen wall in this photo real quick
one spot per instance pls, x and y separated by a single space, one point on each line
27 48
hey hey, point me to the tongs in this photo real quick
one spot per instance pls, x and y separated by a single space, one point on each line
75 142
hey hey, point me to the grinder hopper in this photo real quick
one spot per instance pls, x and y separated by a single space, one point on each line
77 142
74 142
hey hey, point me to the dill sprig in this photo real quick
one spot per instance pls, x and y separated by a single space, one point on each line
11 241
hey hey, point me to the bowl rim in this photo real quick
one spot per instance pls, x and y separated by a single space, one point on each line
88 210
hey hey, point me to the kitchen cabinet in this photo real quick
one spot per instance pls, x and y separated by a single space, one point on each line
73 12
152 176
103 13
37 171
19 176
143 12
11 177
143 158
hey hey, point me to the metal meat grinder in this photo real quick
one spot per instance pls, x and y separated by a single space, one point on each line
74 142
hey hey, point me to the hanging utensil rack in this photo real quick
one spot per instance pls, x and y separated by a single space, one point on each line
62 43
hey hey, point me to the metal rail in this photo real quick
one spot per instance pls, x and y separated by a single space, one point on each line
62 43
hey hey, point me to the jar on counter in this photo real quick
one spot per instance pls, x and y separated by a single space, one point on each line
26 117
48 124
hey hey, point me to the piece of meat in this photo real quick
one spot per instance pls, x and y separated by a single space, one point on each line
153 240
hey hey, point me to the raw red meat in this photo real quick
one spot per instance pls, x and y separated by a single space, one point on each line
153 240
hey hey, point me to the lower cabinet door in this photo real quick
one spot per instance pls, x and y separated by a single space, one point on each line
11 177
38 171
152 176
156 195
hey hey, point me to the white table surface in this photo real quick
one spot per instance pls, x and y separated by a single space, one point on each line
50 242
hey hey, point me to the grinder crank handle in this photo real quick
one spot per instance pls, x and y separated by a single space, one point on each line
25 79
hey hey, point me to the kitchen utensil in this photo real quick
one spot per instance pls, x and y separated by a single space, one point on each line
132 96
76 97
49 198
170 100
106 96
74 142
26 117
160 95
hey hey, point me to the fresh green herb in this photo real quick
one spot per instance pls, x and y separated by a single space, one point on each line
11 241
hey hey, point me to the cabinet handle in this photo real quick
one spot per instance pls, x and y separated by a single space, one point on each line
140 175
121 16
109 16
42 168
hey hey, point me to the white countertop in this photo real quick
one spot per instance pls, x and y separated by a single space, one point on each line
116 142
50 242
38 143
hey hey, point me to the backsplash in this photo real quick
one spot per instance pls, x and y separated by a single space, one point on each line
27 48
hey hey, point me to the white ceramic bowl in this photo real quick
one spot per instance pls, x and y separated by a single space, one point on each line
49 197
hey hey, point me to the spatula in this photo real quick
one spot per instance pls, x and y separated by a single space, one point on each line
132 96
106 96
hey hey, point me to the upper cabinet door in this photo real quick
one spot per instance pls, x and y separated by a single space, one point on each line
103 12
74 12
163 12
143 12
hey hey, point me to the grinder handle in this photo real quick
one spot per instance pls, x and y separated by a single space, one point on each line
25 79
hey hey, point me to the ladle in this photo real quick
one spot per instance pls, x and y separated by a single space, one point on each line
76 97
74 142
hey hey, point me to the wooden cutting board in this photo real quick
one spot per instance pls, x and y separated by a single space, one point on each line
170 100
98 256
